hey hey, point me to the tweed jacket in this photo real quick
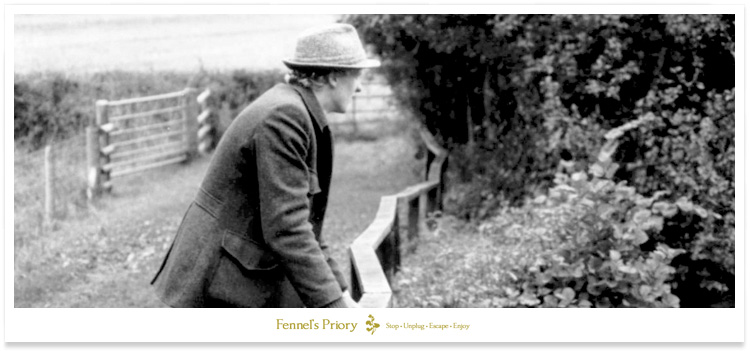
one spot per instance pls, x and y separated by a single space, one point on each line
252 236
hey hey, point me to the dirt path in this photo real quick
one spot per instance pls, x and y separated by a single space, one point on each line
108 258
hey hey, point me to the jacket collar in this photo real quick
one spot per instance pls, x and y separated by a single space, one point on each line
313 105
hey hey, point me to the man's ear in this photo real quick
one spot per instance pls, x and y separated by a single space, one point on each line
333 79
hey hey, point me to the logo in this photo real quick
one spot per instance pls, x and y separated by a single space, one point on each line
372 325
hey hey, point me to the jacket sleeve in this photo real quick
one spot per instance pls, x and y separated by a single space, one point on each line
281 146
334 265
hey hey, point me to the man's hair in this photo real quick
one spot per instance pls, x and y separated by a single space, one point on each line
311 76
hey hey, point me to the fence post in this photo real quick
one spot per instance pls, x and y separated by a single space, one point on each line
49 186
93 161
102 118
189 116
354 114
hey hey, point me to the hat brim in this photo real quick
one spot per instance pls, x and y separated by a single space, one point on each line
368 63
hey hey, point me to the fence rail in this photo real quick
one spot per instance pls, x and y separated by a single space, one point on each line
375 255
155 131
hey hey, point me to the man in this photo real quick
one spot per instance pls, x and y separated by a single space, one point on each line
252 236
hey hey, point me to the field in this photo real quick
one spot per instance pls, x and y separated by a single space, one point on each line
90 43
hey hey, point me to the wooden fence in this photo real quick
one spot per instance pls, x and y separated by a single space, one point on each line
133 135
375 255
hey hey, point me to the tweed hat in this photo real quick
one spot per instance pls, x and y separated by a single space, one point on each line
334 45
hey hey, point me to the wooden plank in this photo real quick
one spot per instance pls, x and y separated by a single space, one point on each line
149 98
376 300
416 190
148 138
49 185
201 99
372 96
367 267
204 116
149 149
109 149
107 128
102 118
93 162
191 124
111 166
149 166
204 130
148 127
412 217
374 110
436 168
431 143
148 113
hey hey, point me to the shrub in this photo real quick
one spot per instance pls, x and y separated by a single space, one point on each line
44 110
597 243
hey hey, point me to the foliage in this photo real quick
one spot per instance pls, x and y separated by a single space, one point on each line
525 91
519 98
593 235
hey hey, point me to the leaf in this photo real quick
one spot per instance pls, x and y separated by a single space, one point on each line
641 215
684 204
614 255
596 170
644 290
627 269
529 299
700 211
640 237
550 301
653 222
594 263
671 300
666 209
568 294
579 177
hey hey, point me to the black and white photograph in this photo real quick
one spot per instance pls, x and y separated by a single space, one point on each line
381 161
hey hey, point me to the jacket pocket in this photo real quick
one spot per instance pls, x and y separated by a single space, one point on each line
247 253
246 275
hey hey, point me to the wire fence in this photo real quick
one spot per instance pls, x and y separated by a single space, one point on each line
68 186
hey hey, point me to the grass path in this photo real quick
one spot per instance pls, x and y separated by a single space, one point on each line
107 258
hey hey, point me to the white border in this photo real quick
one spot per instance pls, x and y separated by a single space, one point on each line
542 325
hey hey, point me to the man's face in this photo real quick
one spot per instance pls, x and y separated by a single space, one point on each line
347 84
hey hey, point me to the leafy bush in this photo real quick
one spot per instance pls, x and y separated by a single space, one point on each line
592 235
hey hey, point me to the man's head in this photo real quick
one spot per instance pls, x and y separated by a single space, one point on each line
329 60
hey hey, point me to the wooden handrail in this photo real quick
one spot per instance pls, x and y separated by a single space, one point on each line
375 254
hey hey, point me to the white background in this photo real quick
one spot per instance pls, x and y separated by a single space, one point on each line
539 326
